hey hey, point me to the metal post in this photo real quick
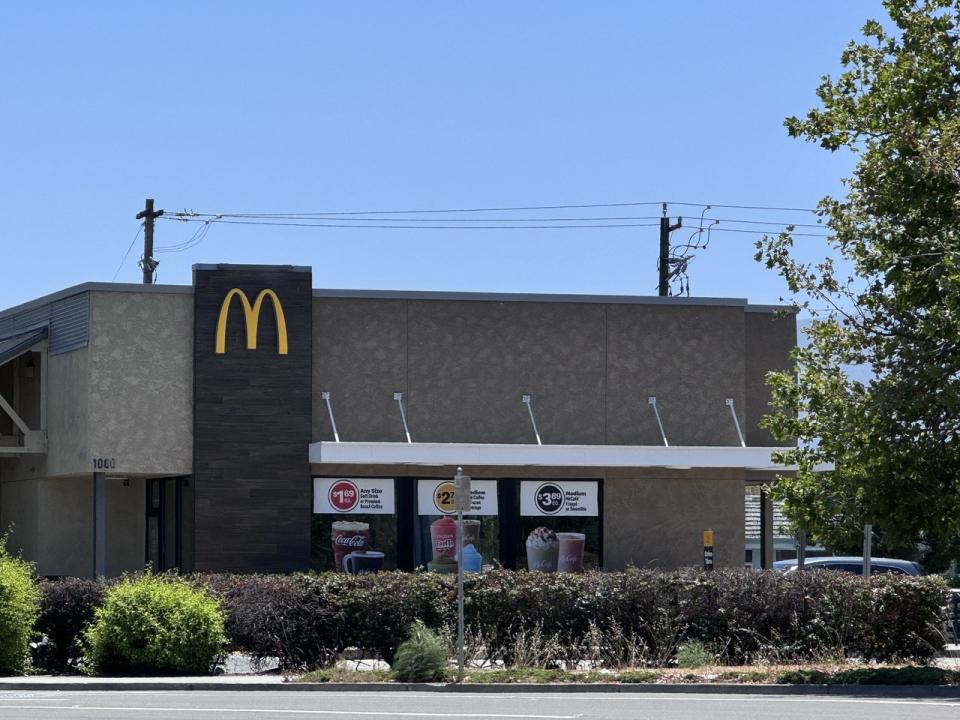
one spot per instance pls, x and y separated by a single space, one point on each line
459 489
729 403
325 395
99 524
801 550
652 400
398 396
867 548
528 401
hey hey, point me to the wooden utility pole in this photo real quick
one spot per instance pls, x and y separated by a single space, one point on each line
664 265
147 263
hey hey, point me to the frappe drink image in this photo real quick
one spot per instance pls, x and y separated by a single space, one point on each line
571 552
543 550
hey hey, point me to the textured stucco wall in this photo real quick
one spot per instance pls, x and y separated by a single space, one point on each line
68 401
658 523
125 525
770 338
18 510
141 381
463 366
359 354
65 526
689 357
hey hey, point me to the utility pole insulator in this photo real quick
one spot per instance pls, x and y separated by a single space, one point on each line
148 263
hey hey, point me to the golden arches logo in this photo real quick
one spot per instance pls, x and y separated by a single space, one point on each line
251 315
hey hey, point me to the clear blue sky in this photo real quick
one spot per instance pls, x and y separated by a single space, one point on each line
290 107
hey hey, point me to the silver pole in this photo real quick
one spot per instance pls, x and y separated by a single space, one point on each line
398 396
325 395
867 548
653 403
459 484
729 403
528 401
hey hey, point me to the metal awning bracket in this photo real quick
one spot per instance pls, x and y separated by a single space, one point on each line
652 401
398 396
325 396
733 412
528 401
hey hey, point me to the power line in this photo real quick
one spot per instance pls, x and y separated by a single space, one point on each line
271 223
127 253
418 211
593 218
557 226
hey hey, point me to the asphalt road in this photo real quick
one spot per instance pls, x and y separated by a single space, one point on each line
200 705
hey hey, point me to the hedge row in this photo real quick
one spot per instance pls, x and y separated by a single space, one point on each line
618 618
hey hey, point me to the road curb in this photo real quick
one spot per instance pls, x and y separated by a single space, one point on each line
897 691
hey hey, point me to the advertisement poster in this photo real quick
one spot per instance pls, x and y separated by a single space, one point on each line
560 525
435 497
366 496
436 528
354 526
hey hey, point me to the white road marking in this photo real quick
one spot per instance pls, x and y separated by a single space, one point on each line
267 711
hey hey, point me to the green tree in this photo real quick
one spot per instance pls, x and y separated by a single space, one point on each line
893 438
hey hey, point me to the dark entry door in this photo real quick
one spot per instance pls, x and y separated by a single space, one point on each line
169 516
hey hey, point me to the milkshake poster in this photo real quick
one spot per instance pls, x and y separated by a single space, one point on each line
560 525
558 498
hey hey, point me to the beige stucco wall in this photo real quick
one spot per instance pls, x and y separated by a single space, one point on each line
141 381
68 403
590 367
659 523
770 338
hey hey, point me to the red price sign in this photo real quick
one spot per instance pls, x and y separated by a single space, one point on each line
343 496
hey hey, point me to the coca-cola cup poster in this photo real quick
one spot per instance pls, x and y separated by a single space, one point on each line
354 525
559 525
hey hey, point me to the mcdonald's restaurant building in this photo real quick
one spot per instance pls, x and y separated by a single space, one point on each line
249 422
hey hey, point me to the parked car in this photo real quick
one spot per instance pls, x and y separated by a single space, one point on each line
851 564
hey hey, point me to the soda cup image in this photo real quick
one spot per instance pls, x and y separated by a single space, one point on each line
443 541
348 536
570 552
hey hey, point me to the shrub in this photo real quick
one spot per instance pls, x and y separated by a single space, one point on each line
66 609
693 655
278 616
636 618
422 657
19 600
152 624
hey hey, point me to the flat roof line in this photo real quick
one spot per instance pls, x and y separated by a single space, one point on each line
358 294
525 297
96 287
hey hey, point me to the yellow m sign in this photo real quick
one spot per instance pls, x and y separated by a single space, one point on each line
252 316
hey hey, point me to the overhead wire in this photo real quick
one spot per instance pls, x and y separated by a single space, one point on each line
560 223
127 253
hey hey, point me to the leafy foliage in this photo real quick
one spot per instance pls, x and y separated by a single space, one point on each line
67 607
19 600
892 438
614 619
155 624
422 657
